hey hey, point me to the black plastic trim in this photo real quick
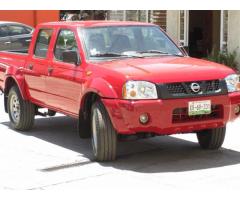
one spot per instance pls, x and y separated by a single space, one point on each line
163 92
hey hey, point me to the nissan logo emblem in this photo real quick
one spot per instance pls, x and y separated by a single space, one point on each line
195 87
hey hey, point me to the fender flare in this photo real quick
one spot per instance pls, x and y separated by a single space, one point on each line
16 75
100 87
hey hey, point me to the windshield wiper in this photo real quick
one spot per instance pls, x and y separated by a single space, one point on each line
109 54
153 51
159 52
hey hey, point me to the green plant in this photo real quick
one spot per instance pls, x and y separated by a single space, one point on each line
224 57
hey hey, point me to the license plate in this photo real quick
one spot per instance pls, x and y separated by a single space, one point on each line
199 107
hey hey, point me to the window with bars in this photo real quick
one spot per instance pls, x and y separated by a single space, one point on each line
159 17
136 15
128 15
117 15
183 27
224 30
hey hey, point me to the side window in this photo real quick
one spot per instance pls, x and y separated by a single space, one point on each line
42 43
65 42
17 30
3 31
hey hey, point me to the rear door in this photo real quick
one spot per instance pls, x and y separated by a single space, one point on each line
20 37
63 81
4 38
37 66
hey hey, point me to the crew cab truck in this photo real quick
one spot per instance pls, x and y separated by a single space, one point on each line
118 78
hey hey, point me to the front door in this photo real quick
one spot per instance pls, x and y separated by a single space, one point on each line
204 33
37 67
63 81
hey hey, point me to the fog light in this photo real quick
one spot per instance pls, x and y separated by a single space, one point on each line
237 109
143 118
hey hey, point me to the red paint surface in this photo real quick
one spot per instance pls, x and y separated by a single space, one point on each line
65 88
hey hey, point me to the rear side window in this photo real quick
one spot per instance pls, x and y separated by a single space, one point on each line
42 43
17 30
3 31
65 42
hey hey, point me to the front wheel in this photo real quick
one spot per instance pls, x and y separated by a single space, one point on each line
21 112
212 138
104 137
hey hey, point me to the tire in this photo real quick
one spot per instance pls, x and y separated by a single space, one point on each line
104 137
211 139
21 112
84 126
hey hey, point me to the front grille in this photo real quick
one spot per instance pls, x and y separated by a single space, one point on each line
184 89
180 115
176 88
212 86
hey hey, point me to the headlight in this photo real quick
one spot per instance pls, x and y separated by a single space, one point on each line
139 90
233 83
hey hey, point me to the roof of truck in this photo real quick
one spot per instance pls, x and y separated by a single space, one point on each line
96 23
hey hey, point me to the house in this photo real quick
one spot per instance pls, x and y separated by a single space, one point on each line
200 31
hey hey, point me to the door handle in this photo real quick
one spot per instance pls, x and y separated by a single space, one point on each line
50 69
30 66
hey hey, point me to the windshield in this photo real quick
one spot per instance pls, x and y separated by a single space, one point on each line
127 41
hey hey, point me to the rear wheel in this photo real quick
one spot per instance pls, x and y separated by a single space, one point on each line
211 139
21 112
104 137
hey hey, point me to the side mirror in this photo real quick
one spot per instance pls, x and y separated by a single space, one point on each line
184 49
71 57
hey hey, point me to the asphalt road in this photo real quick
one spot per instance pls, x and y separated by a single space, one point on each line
53 157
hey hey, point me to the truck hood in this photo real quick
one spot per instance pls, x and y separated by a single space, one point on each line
168 69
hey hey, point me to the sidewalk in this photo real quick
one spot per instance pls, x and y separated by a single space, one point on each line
52 156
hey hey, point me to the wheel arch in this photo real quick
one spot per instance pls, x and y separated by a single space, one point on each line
9 82
84 119
96 89
86 102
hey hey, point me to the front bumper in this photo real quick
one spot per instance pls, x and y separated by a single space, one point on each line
124 114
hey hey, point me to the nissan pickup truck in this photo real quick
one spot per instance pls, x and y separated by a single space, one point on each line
118 79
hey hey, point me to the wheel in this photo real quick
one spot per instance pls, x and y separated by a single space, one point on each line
84 126
212 139
104 137
51 113
21 112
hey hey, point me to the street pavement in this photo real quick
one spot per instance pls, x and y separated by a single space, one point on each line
52 157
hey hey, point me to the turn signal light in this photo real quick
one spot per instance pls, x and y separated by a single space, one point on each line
237 110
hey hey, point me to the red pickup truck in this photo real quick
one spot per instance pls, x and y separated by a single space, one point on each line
118 78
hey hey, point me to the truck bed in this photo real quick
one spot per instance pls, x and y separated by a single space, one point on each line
11 58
